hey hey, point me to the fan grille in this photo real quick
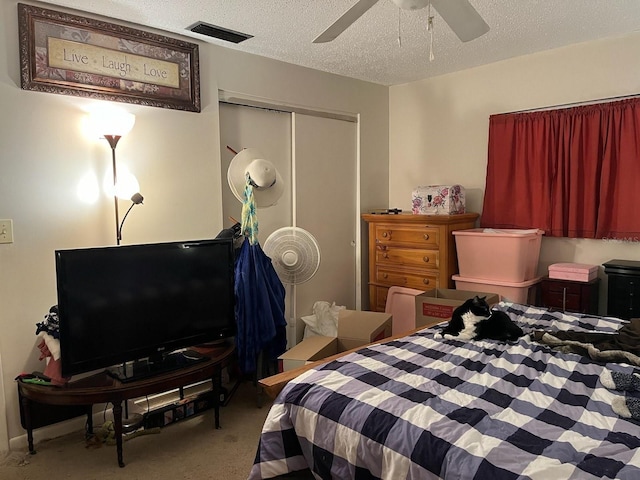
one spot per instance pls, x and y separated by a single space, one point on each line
294 253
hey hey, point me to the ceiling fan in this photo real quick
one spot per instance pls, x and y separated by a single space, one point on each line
460 15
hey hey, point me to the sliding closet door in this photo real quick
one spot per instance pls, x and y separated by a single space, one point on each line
322 173
270 132
325 199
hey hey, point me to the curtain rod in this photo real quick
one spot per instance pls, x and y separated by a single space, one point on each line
576 104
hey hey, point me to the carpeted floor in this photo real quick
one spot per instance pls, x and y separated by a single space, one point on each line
188 449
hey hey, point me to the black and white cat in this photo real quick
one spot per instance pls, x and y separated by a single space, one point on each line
474 320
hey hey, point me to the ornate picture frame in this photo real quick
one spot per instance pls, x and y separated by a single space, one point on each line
73 55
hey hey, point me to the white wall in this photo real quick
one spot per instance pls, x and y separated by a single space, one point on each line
175 155
439 127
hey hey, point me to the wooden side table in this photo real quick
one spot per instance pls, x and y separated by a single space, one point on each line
570 295
102 388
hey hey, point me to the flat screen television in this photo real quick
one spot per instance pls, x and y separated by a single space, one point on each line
126 303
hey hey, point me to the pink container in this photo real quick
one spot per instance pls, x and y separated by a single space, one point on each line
401 303
518 292
573 271
498 255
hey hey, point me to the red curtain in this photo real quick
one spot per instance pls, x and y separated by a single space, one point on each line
571 172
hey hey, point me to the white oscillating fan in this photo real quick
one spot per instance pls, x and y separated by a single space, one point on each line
295 254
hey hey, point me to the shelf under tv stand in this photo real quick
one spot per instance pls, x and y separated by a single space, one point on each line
145 368
103 388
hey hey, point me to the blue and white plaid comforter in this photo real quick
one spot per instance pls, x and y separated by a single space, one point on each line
423 407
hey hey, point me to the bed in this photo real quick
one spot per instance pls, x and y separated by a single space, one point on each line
425 407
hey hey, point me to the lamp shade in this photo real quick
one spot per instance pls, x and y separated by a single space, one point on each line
125 187
111 121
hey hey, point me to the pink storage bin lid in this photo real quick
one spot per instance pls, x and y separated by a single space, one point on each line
573 267
498 283
500 232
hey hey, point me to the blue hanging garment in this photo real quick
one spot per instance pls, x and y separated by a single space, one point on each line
260 297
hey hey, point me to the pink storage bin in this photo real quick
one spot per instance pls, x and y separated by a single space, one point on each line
579 272
501 255
518 292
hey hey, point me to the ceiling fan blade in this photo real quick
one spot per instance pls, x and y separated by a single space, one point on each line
347 18
462 18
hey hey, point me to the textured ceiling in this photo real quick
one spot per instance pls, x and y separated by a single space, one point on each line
369 49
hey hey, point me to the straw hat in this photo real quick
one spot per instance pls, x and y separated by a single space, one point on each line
268 185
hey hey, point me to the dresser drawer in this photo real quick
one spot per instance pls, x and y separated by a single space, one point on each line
568 301
407 257
624 296
416 237
421 281
570 295
560 288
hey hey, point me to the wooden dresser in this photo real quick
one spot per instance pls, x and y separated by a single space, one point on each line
415 251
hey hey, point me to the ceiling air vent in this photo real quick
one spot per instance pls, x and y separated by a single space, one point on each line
219 32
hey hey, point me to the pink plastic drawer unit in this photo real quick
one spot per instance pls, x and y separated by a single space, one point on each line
502 255
517 292
578 272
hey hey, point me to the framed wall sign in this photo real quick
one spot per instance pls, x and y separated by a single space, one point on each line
74 55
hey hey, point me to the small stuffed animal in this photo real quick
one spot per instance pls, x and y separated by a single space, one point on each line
105 434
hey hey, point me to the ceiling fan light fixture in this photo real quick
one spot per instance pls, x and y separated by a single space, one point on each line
460 15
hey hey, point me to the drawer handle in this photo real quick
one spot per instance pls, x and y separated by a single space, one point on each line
425 281
384 275
426 236
385 234
426 259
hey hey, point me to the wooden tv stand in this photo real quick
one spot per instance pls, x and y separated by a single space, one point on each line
102 388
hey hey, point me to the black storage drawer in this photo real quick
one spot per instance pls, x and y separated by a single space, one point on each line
623 297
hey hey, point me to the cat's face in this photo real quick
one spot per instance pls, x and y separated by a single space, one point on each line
479 306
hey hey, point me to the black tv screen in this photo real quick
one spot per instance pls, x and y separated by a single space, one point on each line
124 303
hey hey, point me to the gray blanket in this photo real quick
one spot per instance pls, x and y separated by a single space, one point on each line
621 346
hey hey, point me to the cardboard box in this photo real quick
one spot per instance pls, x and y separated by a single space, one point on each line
355 329
437 305
308 350
438 199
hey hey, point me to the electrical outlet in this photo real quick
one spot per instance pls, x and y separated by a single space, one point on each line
6 231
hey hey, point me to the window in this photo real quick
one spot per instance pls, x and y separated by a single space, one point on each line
572 172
